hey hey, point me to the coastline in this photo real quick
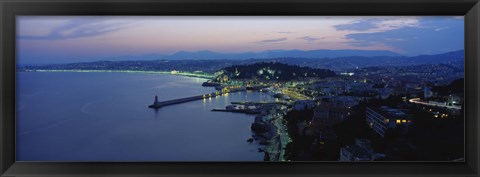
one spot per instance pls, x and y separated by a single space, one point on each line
177 73
156 128
275 148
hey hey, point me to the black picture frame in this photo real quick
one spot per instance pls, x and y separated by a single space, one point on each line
11 8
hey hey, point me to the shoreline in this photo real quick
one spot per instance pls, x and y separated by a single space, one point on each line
148 120
176 73
276 143
274 149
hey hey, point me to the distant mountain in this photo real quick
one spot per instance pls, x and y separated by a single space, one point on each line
135 57
454 59
208 55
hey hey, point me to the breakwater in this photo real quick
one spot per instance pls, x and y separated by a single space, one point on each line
158 104
246 111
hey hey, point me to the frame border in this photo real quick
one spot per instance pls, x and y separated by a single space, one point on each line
10 8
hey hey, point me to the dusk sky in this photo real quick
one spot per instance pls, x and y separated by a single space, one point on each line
52 39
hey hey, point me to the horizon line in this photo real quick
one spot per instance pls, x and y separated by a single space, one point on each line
106 60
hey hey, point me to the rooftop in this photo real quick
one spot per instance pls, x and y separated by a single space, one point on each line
390 112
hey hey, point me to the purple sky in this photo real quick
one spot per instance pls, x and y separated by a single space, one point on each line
63 39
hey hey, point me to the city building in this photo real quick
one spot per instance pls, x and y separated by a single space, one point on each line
384 93
344 101
360 151
359 87
455 99
383 118
427 92
327 115
304 104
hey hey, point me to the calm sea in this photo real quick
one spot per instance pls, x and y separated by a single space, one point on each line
104 117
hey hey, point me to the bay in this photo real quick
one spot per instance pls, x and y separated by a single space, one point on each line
70 116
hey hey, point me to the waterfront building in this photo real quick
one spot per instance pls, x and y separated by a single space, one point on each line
383 118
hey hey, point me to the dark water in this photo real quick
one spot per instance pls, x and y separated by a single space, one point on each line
104 117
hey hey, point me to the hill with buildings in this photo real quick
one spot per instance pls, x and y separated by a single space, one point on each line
274 71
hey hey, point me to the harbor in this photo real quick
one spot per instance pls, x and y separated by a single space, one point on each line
269 129
249 107
269 126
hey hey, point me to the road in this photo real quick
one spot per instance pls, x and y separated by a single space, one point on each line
418 101
295 95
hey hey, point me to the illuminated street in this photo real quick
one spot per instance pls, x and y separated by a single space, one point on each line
418 101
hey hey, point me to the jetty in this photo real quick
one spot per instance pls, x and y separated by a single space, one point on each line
158 104
259 103
245 111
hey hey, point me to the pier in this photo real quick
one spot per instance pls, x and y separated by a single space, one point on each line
158 104
259 103
245 111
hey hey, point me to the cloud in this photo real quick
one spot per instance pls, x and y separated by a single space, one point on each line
411 35
413 40
360 43
394 39
379 24
393 24
441 28
285 32
362 25
309 38
272 40
81 27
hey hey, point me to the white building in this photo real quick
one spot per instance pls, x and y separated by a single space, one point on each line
383 118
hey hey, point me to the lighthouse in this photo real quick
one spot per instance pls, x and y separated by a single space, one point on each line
155 103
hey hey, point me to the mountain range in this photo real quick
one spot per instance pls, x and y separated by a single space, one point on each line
454 59
208 55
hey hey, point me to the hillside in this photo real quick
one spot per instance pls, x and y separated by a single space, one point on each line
274 71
